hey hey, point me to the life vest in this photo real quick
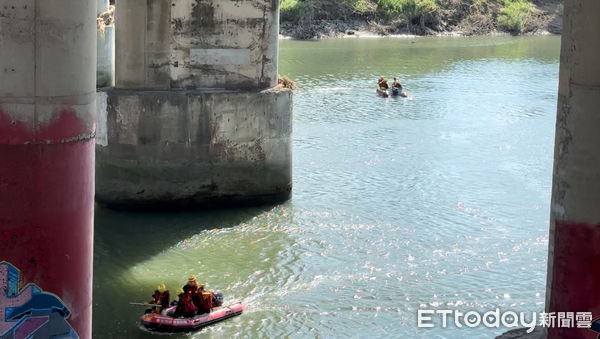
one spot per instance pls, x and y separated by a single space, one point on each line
188 305
160 297
205 301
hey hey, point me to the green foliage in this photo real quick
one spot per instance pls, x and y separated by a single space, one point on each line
307 10
469 15
390 8
409 9
514 15
428 6
292 10
360 7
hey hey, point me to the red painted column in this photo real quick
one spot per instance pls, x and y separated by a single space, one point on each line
47 109
574 247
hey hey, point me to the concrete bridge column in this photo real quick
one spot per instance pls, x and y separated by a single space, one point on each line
195 119
47 106
574 246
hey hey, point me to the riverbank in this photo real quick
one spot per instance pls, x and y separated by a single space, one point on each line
543 18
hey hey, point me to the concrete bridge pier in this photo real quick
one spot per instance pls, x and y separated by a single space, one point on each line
574 248
47 110
195 119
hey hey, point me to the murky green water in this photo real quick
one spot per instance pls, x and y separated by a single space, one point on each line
440 200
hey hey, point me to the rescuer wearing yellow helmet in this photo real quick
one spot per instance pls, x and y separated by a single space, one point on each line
194 289
192 285
382 83
160 297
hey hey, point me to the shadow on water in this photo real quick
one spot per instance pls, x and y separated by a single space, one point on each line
132 237
134 252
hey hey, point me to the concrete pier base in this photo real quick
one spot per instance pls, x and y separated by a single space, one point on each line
193 148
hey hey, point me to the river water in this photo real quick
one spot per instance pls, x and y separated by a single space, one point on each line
437 201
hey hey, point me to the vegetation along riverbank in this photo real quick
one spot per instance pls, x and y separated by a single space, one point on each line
318 19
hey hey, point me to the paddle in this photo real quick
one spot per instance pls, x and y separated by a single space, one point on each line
143 304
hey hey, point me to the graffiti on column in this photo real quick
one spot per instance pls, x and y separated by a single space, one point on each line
30 312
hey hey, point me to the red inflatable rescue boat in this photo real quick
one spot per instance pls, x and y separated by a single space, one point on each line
166 323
